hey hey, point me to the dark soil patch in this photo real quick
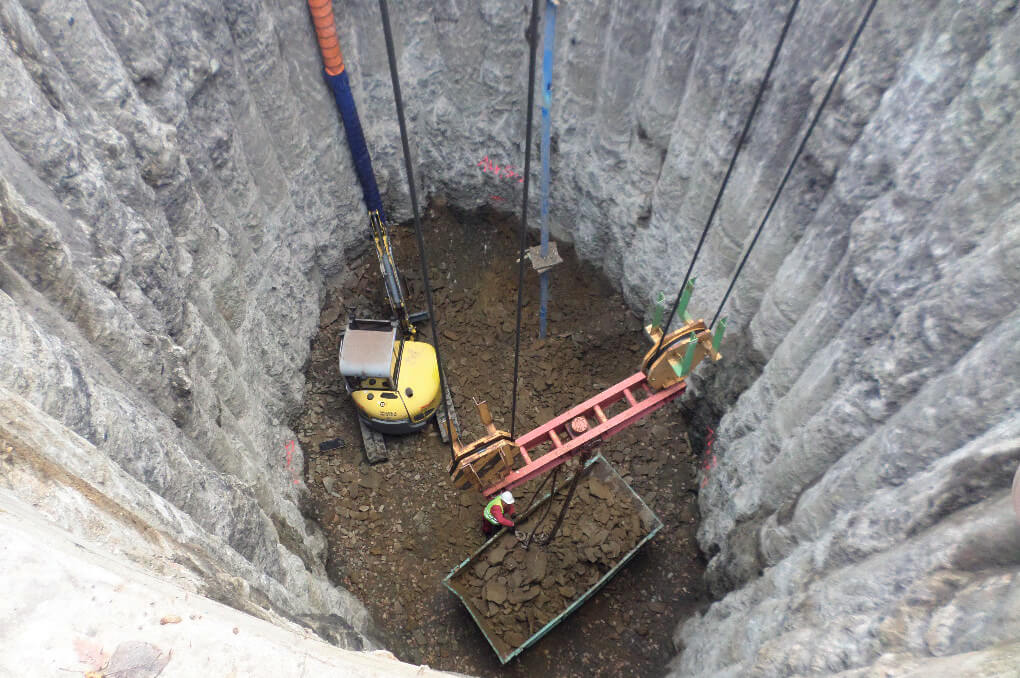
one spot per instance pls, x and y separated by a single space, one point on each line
397 529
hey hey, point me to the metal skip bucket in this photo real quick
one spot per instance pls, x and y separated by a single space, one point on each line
628 512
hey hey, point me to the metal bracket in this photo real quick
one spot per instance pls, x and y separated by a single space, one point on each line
718 335
658 308
684 300
543 264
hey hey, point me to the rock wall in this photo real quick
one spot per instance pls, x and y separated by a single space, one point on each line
171 200
174 193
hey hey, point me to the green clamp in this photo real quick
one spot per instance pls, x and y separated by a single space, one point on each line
684 300
718 335
685 365
657 309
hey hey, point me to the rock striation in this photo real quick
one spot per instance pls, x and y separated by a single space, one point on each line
175 194
168 214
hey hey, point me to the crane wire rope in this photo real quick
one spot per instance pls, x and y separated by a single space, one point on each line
532 37
422 256
729 171
545 513
796 157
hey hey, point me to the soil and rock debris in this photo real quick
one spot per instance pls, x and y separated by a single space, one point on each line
395 530
519 586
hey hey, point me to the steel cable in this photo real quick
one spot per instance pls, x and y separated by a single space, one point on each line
532 36
796 157
422 256
729 171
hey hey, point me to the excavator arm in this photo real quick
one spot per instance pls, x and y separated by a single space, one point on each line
395 293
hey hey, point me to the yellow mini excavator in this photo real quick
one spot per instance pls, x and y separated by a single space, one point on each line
393 379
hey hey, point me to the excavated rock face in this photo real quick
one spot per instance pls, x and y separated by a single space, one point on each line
174 190
169 208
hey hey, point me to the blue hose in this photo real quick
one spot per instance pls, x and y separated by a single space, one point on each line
356 140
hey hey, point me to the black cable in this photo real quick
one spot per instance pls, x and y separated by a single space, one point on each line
548 508
538 491
532 35
796 157
422 257
729 171
585 456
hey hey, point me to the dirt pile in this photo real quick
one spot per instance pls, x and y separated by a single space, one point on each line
519 591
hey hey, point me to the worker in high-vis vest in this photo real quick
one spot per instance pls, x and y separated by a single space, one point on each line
497 512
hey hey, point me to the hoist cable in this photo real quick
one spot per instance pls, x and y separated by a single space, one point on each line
729 171
548 507
796 157
566 502
422 256
533 45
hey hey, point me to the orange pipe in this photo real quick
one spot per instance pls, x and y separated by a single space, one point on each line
325 33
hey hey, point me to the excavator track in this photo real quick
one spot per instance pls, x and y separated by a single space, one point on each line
375 444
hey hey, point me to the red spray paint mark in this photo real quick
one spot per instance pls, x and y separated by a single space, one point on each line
710 460
504 172
290 447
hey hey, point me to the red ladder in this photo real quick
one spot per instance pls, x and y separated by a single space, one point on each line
569 438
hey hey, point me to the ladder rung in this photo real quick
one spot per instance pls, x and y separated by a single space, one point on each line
555 438
524 453
645 387
630 397
600 415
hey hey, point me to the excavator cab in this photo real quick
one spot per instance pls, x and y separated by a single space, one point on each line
394 382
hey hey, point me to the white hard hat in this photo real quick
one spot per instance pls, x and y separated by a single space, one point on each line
507 498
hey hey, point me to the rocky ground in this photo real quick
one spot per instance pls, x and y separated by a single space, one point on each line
397 529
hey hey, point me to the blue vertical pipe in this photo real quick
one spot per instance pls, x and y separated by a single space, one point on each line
547 66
